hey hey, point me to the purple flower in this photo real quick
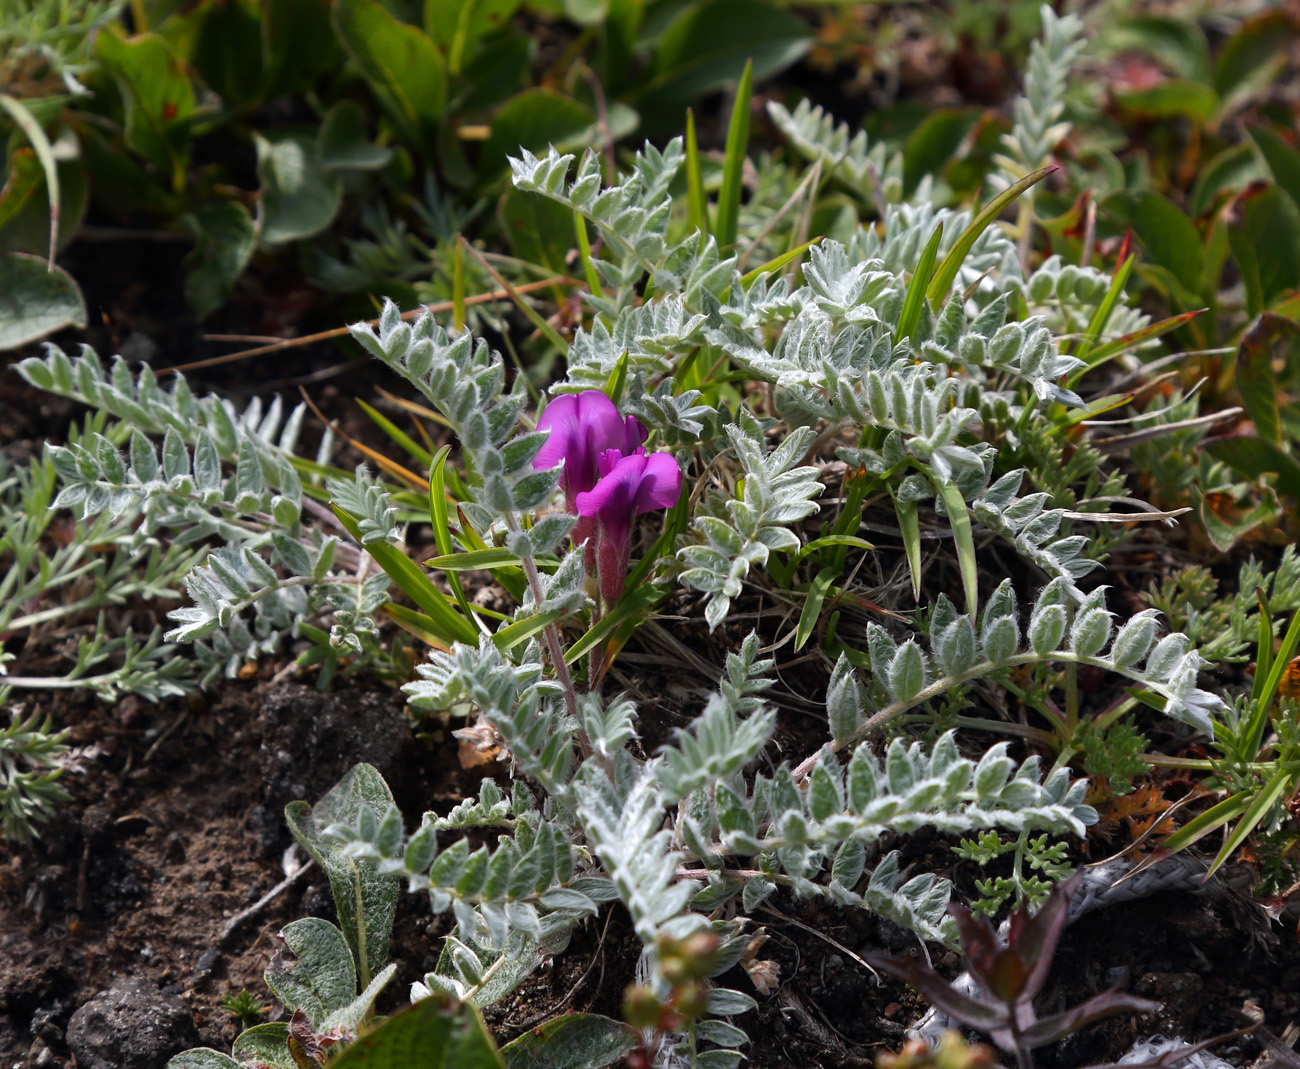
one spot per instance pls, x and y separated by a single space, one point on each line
629 485
583 426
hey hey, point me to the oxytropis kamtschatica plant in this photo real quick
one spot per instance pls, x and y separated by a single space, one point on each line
784 400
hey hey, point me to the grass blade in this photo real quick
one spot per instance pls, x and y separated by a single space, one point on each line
820 587
911 314
909 527
1280 784
1102 316
959 519
733 167
584 250
697 206
1113 348
943 278
778 262
27 123
403 571
399 436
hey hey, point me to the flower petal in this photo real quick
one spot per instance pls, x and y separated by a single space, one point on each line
661 483
561 419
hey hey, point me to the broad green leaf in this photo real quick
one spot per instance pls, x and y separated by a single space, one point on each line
227 50
539 229
1264 233
706 47
203 1058
223 244
1252 57
265 1045
299 196
365 901
434 1033
1178 42
343 143
935 143
1230 171
298 46
537 118
25 202
1268 337
1167 237
404 68
323 976
1281 158
1253 457
158 96
35 301
574 1041
1172 98
457 25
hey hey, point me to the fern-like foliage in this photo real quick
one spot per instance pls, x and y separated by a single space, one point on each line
741 532
1061 629
872 171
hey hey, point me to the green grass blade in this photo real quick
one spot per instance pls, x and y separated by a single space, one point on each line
697 206
480 560
522 630
943 278
629 605
911 314
617 379
818 590
417 586
27 123
733 167
1263 647
584 249
778 262
1281 783
827 541
1280 660
1102 316
458 288
959 519
1103 353
399 436
909 527
1214 817
441 527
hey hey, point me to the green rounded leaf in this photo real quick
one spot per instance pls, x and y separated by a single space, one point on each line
35 301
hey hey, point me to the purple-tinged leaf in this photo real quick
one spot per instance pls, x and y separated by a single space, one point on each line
1059 1025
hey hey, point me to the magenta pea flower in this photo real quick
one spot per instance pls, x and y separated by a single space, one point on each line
582 426
629 485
